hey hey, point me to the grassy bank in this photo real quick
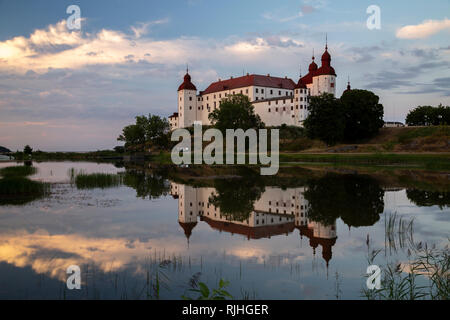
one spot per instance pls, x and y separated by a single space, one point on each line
16 189
417 161
399 160
17 171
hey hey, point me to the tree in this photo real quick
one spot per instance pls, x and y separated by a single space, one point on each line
28 150
363 114
152 130
357 199
326 120
236 198
429 116
235 112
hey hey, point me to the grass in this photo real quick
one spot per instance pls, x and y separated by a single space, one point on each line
96 180
426 161
19 190
17 171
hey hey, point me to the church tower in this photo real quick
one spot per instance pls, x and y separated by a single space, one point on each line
187 102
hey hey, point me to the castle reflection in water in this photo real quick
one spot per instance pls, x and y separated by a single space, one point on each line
277 212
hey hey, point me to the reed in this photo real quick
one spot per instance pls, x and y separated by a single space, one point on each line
17 171
19 190
97 180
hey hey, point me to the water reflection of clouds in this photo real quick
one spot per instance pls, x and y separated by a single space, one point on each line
49 235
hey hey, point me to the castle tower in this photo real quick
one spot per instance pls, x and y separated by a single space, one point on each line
187 102
349 88
324 79
187 209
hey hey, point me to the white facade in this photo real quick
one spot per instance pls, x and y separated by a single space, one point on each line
276 100
276 212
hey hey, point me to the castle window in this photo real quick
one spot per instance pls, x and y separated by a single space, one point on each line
257 221
296 107
262 90
284 101
256 98
292 100
241 91
269 109
190 98
296 91
190 107
271 91
276 109
220 95
292 107
284 108
332 85
198 99
207 97
269 103
214 96
246 90
279 93
276 101
256 90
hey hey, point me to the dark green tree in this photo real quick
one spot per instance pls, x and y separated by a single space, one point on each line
326 120
152 130
28 150
235 198
363 114
358 200
429 116
148 185
235 112
429 198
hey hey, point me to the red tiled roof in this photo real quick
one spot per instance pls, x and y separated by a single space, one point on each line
307 79
251 232
250 80
187 84
187 227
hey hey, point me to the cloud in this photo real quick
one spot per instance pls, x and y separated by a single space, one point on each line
142 28
423 30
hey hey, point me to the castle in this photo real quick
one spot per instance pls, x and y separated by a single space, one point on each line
277 212
276 100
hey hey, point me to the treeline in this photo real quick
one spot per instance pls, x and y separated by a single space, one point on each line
357 115
429 116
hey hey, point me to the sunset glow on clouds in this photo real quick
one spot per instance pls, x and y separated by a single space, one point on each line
118 66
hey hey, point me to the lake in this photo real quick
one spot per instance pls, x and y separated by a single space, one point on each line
306 234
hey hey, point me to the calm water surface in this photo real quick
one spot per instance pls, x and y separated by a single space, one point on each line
294 241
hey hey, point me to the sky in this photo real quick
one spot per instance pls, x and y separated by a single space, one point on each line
74 90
